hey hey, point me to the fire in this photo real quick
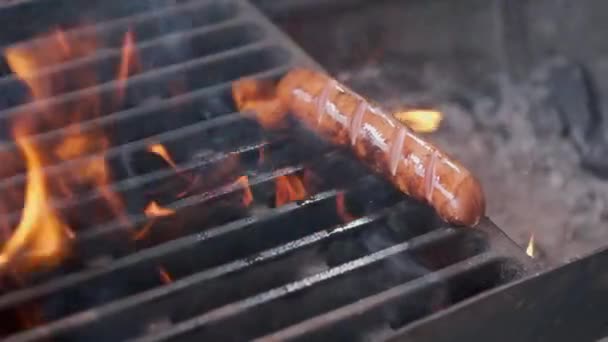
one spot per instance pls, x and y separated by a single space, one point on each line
259 98
289 188
152 210
163 153
423 121
26 63
341 208
155 210
165 277
530 248
247 194
129 63
41 236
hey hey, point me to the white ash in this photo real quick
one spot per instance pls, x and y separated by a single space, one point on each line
533 182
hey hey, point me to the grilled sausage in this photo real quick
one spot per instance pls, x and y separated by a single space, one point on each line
415 166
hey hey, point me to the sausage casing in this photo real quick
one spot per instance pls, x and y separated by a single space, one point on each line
414 165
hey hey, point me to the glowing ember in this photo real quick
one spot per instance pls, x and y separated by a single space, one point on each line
163 153
289 188
341 208
247 194
165 277
41 236
423 121
530 248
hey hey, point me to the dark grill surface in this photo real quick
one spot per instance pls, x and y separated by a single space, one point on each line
294 271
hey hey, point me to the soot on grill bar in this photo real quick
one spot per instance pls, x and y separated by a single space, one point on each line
169 175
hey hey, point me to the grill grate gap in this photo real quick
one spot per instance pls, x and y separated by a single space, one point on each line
217 266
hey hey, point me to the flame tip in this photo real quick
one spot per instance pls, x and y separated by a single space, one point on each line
530 249
420 120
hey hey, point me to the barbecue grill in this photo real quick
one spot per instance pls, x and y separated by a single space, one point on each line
300 270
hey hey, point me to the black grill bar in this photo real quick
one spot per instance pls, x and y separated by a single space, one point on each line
369 315
105 239
200 73
219 37
151 24
207 247
302 270
241 320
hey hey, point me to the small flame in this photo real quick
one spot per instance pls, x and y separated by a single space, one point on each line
155 210
152 210
129 63
341 208
423 121
165 277
289 188
41 236
530 249
163 153
259 97
247 194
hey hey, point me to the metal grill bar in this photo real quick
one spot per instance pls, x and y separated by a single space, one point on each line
150 30
369 314
235 269
241 320
207 248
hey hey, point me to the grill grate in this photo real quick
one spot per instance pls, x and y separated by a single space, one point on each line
293 271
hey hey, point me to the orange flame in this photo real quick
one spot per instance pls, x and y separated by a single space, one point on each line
26 62
423 121
163 153
129 63
259 98
247 194
41 236
152 210
155 210
165 277
530 249
289 188
341 208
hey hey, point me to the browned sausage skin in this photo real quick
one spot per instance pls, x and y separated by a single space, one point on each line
415 166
